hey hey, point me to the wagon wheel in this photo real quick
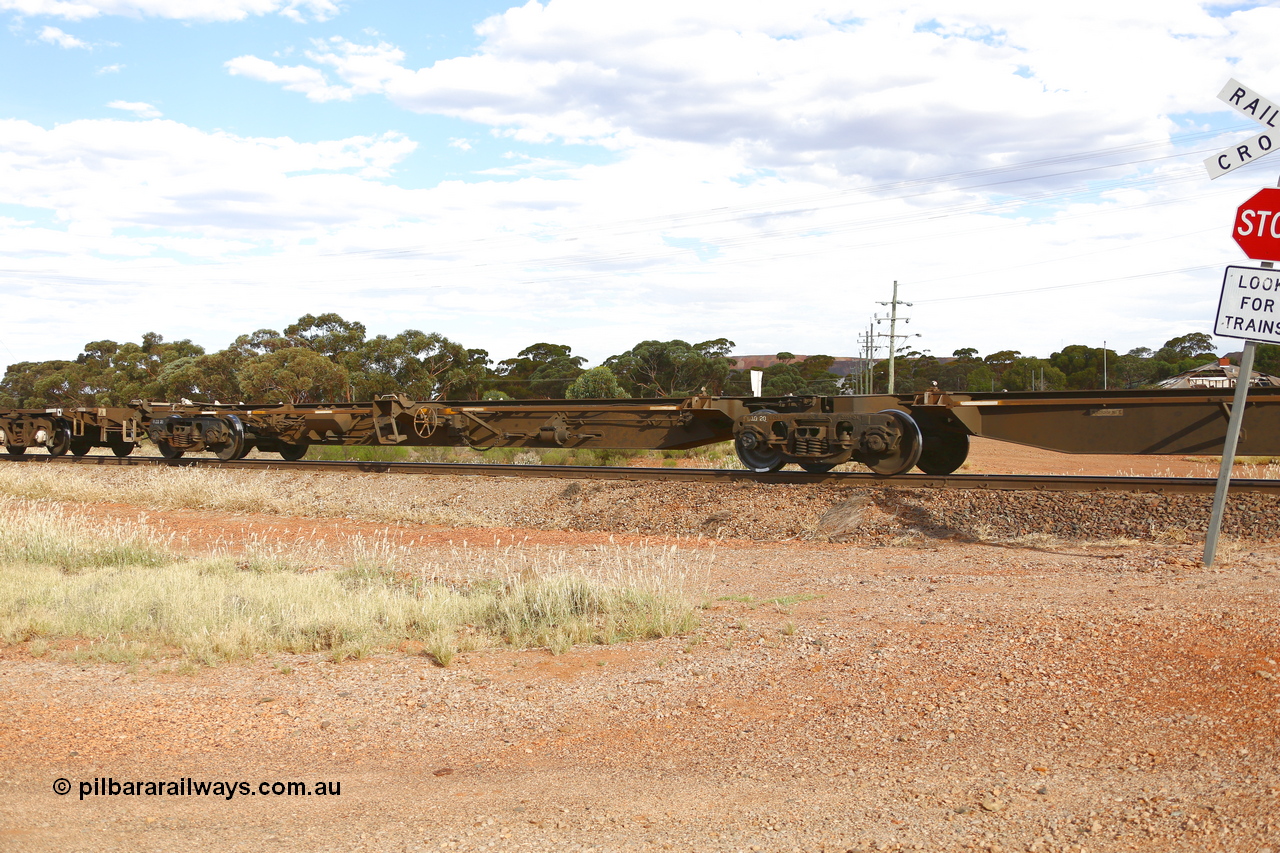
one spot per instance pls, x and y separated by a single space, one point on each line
425 421
235 446
905 453
293 452
122 448
756 454
80 446
167 450
60 443
943 452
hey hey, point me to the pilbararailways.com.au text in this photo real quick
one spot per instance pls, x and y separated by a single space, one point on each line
188 787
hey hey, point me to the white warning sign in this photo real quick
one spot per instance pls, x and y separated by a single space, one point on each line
1256 107
1250 305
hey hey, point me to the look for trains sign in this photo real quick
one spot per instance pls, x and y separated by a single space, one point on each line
1250 305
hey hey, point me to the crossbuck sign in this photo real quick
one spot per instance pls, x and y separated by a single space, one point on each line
1259 109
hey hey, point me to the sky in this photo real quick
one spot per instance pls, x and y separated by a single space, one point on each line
597 173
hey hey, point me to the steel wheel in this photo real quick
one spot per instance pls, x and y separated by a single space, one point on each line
15 449
81 446
60 443
756 455
817 467
122 448
234 447
293 452
167 450
943 452
904 456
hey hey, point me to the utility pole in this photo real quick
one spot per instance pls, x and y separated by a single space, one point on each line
893 330
866 381
860 378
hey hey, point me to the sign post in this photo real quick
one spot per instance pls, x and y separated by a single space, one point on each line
1248 308
1228 453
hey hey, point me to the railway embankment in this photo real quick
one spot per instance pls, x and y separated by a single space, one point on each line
710 510
884 515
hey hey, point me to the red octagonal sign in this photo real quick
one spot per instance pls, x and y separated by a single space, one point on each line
1257 227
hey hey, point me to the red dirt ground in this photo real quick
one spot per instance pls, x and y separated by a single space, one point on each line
934 695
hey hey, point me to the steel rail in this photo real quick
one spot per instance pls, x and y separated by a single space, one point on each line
996 482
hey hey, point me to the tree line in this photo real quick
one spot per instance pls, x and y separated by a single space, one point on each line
326 357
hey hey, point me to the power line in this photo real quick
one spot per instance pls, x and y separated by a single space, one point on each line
1020 292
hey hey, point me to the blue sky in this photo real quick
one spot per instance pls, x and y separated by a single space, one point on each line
178 67
598 172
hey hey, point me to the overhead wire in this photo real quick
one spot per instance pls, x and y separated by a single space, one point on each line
1025 290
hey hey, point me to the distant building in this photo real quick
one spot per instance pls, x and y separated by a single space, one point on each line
1223 374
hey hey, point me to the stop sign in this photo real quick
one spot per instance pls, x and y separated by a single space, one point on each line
1257 227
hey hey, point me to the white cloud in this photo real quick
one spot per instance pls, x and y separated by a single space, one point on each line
365 69
105 175
110 69
750 186
294 78
187 10
865 88
665 242
72 10
53 35
138 108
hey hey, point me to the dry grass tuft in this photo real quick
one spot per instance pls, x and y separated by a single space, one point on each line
989 535
1177 536
220 491
124 594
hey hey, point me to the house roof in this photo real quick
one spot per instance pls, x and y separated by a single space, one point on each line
1218 375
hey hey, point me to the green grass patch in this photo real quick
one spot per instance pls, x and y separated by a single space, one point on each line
372 453
709 456
782 603
1237 460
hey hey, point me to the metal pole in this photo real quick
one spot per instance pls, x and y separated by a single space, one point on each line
875 354
1104 365
1229 452
893 330
869 378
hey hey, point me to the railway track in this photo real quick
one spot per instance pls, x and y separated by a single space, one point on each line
997 482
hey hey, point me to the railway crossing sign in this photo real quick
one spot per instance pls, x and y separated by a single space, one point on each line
1257 226
1261 110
